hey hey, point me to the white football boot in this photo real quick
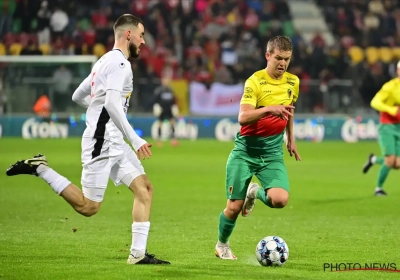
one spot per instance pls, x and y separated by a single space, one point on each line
224 252
250 200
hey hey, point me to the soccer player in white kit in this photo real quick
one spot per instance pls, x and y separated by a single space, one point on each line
106 93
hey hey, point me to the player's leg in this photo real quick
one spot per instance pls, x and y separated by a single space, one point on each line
238 176
158 113
387 142
160 121
371 161
274 190
397 143
174 141
38 166
130 172
386 139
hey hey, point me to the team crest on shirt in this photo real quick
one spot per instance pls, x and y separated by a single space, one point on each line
289 91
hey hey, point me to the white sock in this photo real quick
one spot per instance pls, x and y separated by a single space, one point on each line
57 182
220 244
373 159
140 232
377 189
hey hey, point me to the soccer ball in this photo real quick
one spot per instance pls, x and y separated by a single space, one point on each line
272 251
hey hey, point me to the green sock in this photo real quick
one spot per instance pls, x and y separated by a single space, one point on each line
383 173
379 160
225 228
261 195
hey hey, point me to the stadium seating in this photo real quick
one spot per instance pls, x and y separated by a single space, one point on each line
83 24
386 54
99 50
45 49
15 48
2 49
356 54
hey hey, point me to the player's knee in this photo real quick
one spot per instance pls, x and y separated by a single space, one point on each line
390 161
397 163
88 208
142 188
279 197
233 208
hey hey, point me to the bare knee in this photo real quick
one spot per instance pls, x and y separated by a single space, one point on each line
233 208
391 161
142 188
397 163
88 208
279 197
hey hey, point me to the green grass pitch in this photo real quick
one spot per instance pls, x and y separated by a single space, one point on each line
332 217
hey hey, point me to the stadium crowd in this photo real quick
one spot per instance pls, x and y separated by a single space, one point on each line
207 41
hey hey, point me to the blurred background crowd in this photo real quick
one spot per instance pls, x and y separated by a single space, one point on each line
344 50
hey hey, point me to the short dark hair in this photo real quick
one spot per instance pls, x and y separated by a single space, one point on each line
282 43
127 19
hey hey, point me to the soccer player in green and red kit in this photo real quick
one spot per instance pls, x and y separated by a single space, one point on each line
266 112
387 102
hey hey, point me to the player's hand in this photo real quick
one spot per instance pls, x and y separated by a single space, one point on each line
144 151
281 111
292 149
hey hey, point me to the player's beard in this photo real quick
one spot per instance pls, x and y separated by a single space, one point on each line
133 50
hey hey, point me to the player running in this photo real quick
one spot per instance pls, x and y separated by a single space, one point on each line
165 109
266 111
104 153
387 102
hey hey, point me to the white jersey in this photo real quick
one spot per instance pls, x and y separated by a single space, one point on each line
111 72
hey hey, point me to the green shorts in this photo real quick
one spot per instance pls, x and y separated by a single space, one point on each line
389 139
240 168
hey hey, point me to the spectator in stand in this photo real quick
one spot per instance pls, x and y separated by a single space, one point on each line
58 22
209 40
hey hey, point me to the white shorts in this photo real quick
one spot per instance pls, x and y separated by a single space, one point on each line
104 160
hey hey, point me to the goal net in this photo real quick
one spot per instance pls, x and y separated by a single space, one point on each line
24 79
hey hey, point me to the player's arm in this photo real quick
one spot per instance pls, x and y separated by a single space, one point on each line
289 126
379 100
114 108
249 114
113 104
81 95
290 123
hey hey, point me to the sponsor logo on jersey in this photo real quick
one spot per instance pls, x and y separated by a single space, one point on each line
290 81
248 90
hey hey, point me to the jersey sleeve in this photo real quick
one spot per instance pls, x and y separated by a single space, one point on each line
117 115
296 90
81 95
379 100
250 93
116 75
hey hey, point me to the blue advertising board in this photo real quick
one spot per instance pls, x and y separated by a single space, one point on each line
223 129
